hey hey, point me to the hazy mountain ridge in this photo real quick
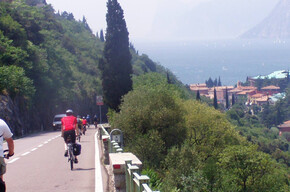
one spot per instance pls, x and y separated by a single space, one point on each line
275 26
211 19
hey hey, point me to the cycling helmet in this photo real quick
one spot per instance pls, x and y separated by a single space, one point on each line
69 112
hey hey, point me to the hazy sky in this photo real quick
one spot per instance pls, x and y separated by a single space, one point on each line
174 19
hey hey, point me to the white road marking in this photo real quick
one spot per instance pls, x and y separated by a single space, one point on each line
98 171
13 160
25 153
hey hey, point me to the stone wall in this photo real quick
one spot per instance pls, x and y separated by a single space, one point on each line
16 114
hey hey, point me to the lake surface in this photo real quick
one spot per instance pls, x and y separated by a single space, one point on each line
232 60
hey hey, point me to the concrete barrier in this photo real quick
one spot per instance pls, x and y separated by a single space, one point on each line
125 167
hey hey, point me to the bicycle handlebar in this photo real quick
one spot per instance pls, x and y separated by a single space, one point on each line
6 154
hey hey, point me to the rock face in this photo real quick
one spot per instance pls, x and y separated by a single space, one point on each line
275 26
19 119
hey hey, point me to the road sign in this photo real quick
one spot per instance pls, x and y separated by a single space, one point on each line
100 100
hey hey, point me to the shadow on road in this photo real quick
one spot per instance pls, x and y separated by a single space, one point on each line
81 169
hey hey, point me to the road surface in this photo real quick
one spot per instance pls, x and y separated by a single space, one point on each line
39 165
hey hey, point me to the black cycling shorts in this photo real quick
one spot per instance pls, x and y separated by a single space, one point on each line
72 134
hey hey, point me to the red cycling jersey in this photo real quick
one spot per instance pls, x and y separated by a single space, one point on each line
69 123
84 121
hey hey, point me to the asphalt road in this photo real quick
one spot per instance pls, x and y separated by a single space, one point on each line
39 165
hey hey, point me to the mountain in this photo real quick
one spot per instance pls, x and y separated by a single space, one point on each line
275 26
210 19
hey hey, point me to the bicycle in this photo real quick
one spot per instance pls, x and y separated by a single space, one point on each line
73 151
84 129
79 137
71 156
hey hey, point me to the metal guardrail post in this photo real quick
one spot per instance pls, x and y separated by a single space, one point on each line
140 180
111 146
130 170
127 175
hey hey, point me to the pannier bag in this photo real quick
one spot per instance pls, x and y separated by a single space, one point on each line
77 149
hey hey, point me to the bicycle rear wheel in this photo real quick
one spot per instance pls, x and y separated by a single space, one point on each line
71 164
71 158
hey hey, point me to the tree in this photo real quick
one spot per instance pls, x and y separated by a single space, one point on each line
219 82
233 99
116 65
215 83
209 82
198 95
245 169
215 104
102 36
227 98
151 113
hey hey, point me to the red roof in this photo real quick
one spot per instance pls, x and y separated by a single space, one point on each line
285 124
271 87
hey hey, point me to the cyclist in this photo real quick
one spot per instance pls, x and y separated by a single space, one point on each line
80 124
7 135
96 121
88 119
84 125
69 127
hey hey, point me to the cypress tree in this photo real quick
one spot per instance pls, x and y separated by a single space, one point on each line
215 83
215 104
219 82
198 96
102 36
116 65
227 98
233 99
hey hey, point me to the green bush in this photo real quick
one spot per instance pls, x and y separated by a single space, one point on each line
14 81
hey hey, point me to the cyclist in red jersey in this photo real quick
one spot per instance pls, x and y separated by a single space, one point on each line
84 125
69 127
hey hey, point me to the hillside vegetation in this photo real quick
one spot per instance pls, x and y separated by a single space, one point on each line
49 62
186 145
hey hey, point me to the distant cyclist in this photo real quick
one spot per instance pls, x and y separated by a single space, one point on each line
88 119
69 127
96 121
80 124
6 134
84 125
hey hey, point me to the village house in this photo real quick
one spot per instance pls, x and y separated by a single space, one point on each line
270 90
220 93
202 88
281 74
248 94
285 127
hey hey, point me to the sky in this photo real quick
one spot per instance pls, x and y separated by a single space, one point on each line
174 19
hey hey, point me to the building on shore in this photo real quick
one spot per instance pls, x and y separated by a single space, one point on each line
281 74
285 127
248 94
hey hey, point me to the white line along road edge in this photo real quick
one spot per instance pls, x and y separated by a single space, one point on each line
98 171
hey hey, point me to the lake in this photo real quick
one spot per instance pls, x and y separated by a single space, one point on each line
232 60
